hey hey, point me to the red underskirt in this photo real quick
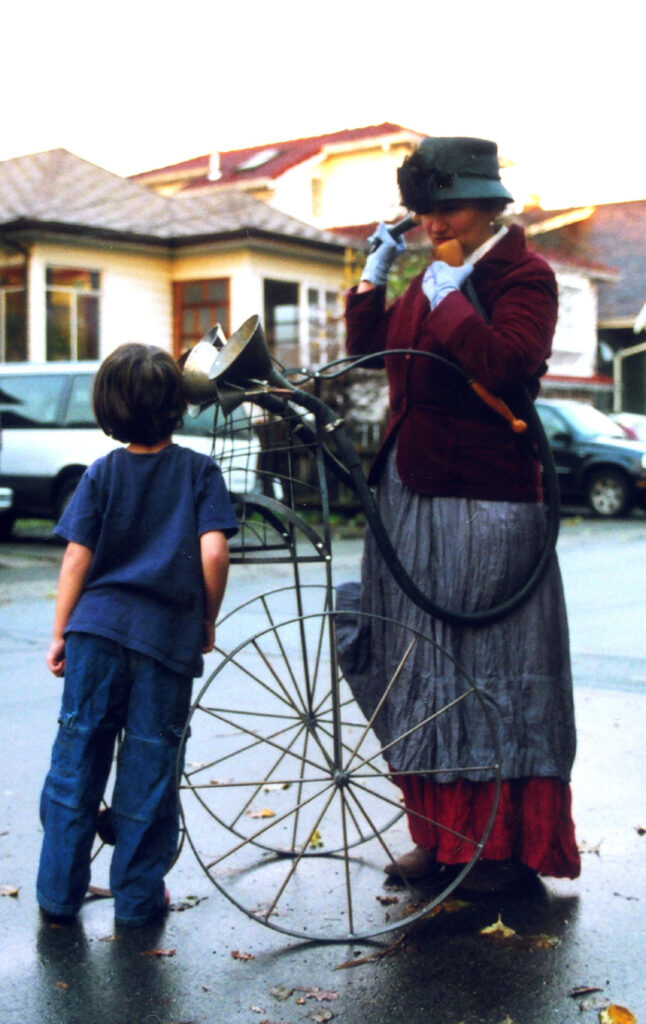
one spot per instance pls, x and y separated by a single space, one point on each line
533 823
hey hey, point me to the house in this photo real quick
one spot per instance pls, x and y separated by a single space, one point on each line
610 236
346 177
89 260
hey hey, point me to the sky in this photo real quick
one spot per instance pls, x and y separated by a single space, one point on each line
135 85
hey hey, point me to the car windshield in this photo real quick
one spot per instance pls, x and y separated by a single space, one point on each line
589 421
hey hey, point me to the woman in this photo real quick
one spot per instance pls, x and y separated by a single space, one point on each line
460 495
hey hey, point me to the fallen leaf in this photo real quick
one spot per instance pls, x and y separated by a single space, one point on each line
237 955
220 782
617 1015
583 990
9 890
369 957
272 787
274 1022
386 900
498 928
280 992
256 1009
319 994
265 812
110 938
315 839
505 936
321 1016
446 907
100 892
589 848
595 1003
62 984
158 952
187 903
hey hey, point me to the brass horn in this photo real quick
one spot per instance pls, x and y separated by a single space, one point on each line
200 391
245 357
242 363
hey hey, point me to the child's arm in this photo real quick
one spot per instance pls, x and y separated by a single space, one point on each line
214 552
74 568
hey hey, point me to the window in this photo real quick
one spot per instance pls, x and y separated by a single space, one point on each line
198 306
13 315
282 321
80 411
32 400
324 326
72 314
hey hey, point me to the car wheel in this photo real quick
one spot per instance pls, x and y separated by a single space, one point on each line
64 495
608 493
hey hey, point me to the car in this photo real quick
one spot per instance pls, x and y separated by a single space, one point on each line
50 436
6 494
597 464
633 424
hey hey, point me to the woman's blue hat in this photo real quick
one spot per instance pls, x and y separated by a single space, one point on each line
448 170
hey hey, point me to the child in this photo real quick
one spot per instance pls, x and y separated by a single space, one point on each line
140 587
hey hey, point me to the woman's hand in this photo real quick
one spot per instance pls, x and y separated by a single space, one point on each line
380 261
440 280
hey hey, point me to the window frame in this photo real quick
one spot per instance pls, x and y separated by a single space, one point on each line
76 293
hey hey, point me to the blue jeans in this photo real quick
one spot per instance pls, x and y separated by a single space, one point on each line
108 688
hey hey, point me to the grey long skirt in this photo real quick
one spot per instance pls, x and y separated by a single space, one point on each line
466 555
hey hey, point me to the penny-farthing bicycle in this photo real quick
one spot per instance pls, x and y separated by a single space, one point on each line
288 798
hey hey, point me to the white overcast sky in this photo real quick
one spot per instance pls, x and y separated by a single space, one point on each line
135 85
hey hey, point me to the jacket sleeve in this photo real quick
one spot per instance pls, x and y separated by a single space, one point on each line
366 321
515 344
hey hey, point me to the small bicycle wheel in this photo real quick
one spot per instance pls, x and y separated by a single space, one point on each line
287 799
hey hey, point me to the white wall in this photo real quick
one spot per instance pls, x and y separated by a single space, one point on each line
575 340
136 295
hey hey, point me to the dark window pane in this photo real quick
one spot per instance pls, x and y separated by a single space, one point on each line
192 293
216 291
87 331
12 277
65 277
15 349
59 325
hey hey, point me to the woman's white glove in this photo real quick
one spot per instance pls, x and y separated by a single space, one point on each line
440 280
380 261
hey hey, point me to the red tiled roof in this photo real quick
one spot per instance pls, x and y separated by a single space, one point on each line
281 156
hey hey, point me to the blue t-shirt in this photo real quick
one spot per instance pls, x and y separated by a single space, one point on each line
142 516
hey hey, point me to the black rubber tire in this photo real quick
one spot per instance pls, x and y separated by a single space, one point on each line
608 493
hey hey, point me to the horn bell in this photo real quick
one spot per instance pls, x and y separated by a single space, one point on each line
245 357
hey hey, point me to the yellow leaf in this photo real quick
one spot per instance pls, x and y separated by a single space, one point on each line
498 929
617 1015
315 839
265 812
9 890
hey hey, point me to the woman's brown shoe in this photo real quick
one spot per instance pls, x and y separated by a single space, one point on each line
418 863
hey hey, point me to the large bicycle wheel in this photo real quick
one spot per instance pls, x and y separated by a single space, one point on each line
287 798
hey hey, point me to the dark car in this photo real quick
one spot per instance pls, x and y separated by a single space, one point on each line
597 464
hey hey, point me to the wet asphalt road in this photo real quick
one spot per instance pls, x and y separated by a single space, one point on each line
440 970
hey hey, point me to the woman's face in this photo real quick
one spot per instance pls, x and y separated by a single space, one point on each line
466 222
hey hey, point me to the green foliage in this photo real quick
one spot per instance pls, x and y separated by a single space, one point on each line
409 265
